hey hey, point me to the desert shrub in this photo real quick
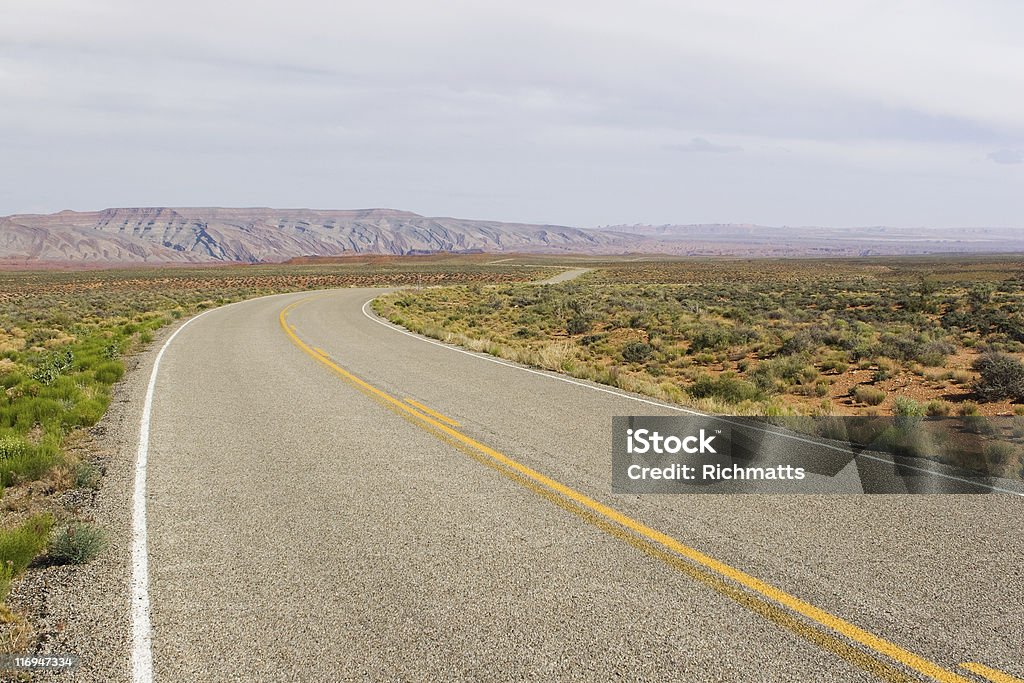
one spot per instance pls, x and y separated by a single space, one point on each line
636 352
776 374
868 395
578 324
999 452
87 475
933 354
811 338
710 337
745 335
839 366
882 374
1000 376
937 408
726 387
979 424
969 409
960 377
907 407
902 347
76 543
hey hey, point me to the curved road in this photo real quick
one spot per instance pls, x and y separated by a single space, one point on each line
320 509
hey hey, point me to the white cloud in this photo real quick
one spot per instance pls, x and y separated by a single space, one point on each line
702 145
1007 156
564 111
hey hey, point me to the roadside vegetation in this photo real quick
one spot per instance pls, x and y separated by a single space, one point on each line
64 339
912 336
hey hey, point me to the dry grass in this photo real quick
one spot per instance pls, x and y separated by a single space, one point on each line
16 632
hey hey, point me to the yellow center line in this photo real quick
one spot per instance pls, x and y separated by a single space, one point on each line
991 674
855 633
433 413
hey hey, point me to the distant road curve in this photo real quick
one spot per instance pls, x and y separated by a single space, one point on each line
566 276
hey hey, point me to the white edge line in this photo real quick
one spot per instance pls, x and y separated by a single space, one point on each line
380 321
142 640
142 652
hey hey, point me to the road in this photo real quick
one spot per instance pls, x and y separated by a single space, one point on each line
329 498
565 276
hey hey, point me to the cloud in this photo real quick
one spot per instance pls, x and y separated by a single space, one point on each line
420 106
1007 156
704 145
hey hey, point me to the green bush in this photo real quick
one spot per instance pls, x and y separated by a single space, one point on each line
109 372
1001 376
726 387
711 338
578 324
87 413
636 352
112 350
31 462
12 447
53 366
76 543
21 545
907 407
776 374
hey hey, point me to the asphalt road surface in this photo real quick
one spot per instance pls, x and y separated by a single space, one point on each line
332 499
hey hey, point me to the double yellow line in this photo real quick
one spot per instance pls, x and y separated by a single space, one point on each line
659 542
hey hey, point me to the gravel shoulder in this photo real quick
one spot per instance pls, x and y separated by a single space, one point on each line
84 610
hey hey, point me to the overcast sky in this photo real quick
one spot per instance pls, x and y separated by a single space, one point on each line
574 112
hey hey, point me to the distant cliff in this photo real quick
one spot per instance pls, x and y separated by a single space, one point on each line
269 235
261 235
